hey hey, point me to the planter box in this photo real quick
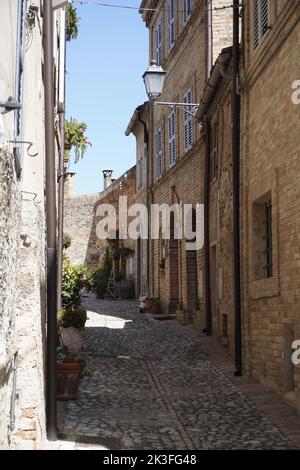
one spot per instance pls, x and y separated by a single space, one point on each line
68 378
152 307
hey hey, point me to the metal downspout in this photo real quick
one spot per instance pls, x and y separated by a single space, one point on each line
51 412
61 175
208 329
235 187
146 142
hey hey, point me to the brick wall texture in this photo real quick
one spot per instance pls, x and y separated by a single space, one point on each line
269 166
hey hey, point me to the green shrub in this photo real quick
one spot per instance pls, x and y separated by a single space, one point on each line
66 241
75 317
99 278
72 284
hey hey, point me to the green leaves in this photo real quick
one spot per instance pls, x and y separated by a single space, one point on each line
72 283
72 23
76 139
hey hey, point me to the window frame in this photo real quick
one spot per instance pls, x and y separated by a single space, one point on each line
172 138
159 153
171 24
159 42
259 29
187 10
188 122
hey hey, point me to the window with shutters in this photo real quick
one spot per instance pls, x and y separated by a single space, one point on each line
140 172
187 10
188 122
20 54
158 43
213 167
171 22
159 153
172 138
261 20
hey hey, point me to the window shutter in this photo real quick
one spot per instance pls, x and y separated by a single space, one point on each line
171 21
214 151
187 9
265 20
158 43
188 123
255 24
172 138
159 154
261 21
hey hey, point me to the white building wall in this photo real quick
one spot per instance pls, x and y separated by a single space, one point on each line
23 238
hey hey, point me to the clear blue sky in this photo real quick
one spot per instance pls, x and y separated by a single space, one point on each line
104 85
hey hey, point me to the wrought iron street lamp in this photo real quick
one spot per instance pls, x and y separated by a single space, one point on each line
154 79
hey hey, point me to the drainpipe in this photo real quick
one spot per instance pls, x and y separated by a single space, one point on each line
235 188
208 328
51 222
146 142
61 170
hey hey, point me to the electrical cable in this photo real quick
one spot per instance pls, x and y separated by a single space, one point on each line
128 7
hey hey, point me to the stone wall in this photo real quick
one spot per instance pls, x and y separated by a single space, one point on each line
30 424
9 240
80 219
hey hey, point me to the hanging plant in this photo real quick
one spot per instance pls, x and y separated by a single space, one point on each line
72 23
76 139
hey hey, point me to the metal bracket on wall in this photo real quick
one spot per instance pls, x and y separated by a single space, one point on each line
30 144
34 200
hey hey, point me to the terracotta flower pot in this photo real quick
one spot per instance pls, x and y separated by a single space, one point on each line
68 378
152 307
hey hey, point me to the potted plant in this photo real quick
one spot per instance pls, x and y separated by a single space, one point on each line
72 317
75 139
153 305
69 371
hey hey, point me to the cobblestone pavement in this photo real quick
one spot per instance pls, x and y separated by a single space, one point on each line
148 386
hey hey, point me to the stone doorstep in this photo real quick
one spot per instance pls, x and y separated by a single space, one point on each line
272 405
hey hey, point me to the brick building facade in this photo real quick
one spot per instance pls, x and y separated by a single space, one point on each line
187 45
184 38
270 171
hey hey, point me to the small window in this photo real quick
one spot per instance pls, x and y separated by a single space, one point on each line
172 139
188 122
171 22
263 238
158 43
213 166
140 171
261 20
187 10
159 153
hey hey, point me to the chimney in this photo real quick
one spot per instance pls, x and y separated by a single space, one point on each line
107 178
69 185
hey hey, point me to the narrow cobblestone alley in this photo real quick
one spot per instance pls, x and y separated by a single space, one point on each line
148 386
